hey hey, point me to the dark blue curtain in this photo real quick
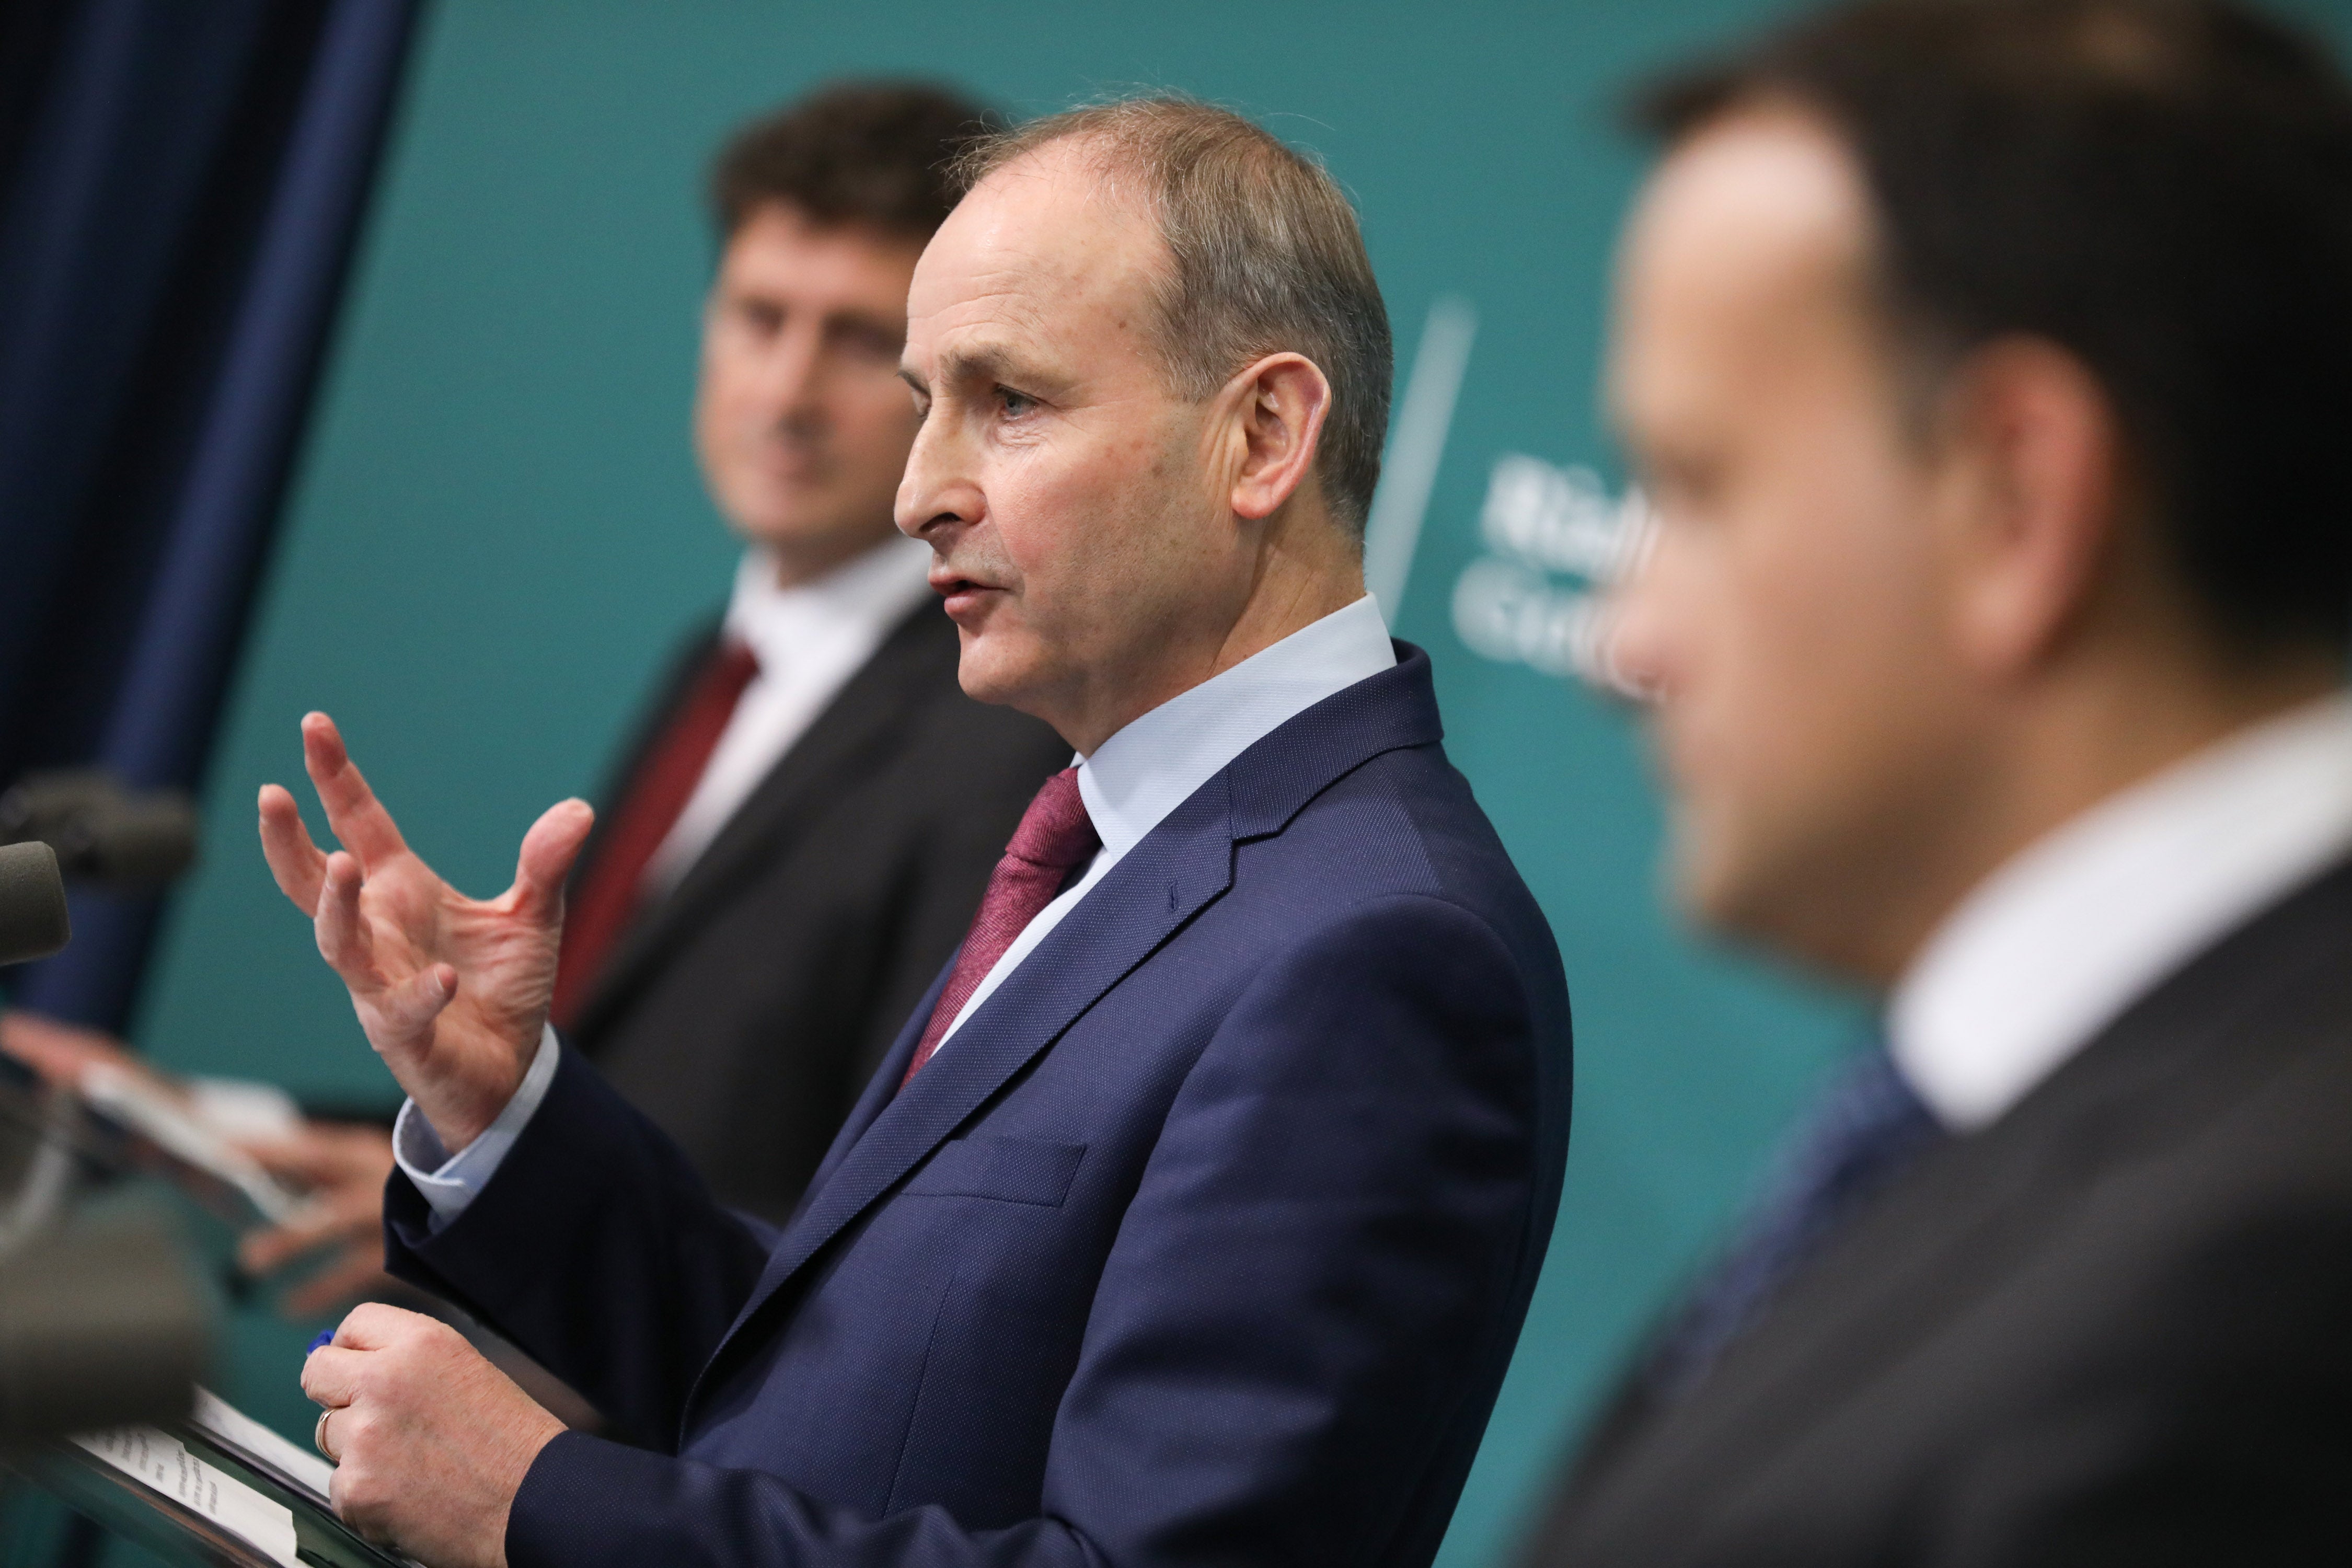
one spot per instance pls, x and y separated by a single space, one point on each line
181 184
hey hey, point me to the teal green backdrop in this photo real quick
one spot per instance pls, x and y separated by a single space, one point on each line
497 529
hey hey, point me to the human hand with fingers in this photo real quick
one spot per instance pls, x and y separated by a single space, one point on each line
341 1167
430 1442
60 1052
452 992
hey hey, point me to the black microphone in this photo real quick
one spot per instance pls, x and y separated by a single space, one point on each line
33 922
97 1329
128 841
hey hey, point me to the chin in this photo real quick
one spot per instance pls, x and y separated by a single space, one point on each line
1708 883
1698 895
1010 671
988 671
1789 905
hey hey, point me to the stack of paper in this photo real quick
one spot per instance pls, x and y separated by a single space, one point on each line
161 1463
259 1448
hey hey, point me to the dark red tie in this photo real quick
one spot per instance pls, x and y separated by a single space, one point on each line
1055 836
601 906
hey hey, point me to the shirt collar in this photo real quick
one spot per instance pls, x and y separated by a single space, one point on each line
866 592
1152 766
2061 939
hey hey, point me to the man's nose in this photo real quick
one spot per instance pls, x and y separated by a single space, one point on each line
1637 651
794 374
939 493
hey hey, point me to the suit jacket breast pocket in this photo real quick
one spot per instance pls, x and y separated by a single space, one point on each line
1011 1170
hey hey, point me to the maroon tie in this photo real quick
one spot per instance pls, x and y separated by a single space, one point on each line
602 905
1055 835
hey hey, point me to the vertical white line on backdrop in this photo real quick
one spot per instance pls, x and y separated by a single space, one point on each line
1416 442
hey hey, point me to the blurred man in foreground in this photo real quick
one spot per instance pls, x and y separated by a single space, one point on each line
794 840
1192 1217
1988 364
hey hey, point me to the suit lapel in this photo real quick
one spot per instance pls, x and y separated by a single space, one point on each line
1956 1226
915 661
677 682
1178 868
880 1089
1163 881
1947 1232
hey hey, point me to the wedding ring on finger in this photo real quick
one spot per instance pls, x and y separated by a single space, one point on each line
319 1437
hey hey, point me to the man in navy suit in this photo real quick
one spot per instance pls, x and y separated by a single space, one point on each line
1193 1217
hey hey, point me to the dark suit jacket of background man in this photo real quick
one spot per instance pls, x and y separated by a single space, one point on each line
744 1011
2142 1272
1204 1240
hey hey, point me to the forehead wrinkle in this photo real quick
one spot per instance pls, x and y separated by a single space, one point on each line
1001 289
1029 282
990 295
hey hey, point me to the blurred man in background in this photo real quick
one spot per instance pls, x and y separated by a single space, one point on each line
1988 364
794 840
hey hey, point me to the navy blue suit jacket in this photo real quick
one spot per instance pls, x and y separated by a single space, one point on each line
1205 1240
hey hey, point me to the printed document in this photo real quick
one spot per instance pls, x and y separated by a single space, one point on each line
161 1463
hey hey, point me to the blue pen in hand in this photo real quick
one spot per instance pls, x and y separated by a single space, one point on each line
322 1342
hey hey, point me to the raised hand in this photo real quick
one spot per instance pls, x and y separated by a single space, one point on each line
451 991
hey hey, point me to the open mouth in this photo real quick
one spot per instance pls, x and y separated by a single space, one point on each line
960 595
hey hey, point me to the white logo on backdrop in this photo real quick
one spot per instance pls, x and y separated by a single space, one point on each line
1556 539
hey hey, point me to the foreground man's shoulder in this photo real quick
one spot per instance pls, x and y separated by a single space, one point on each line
1397 858
1404 818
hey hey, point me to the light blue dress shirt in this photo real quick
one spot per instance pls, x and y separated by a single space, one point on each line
1129 784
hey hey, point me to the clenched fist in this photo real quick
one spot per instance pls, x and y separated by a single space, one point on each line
430 1441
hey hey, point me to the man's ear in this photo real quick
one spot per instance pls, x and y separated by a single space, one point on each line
2041 456
1278 407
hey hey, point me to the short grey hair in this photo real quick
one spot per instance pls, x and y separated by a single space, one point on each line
1268 258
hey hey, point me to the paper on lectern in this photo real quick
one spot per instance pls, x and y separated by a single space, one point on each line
250 1442
160 1462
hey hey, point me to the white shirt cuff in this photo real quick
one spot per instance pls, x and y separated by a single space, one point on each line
449 1181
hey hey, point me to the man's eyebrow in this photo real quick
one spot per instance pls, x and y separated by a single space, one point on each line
980 361
977 364
867 321
984 365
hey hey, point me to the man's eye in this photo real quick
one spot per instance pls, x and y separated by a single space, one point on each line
1016 403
